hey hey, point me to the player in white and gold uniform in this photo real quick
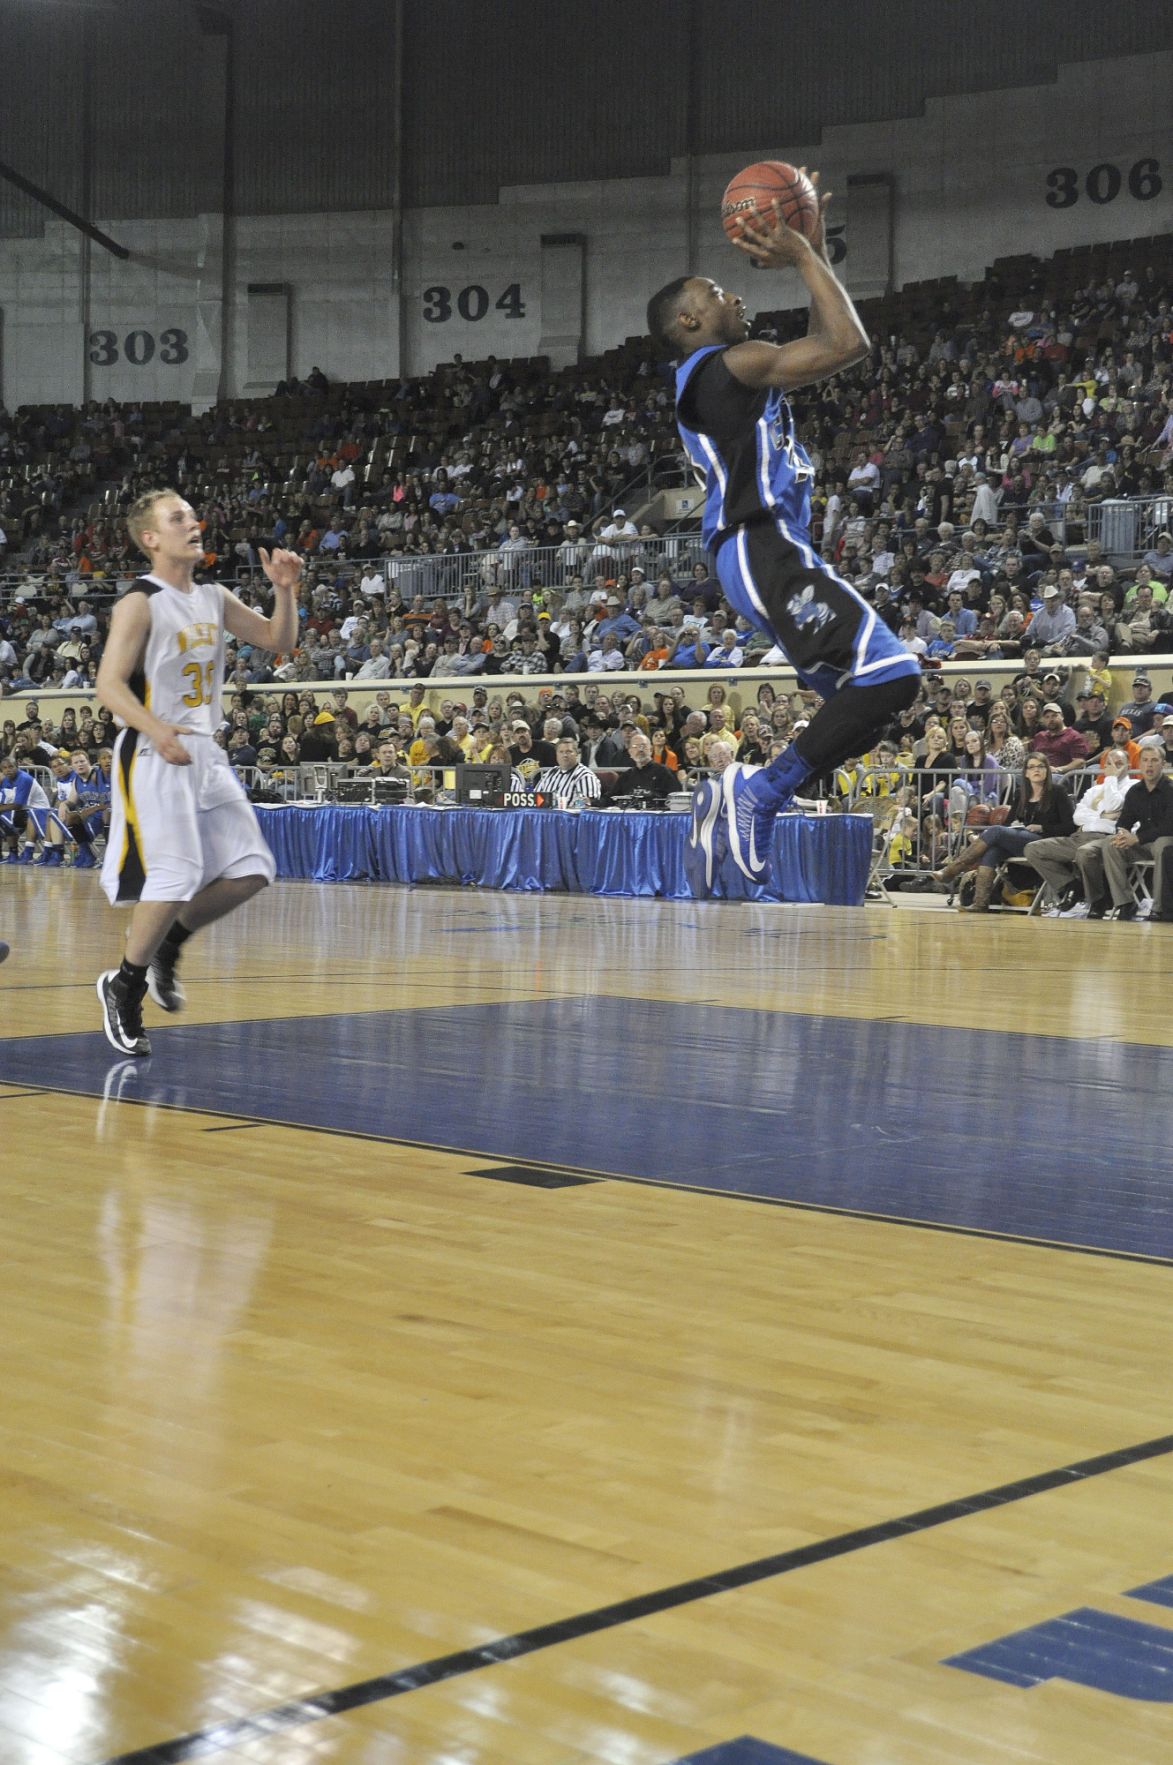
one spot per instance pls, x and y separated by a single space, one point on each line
184 843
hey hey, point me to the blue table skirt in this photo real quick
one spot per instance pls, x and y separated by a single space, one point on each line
815 857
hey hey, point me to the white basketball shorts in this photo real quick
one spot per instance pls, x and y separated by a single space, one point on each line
175 829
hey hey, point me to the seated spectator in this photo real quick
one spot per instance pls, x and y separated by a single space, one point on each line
1065 749
1144 829
1053 625
644 773
1141 709
319 741
1089 636
727 653
24 811
607 657
1042 810
1144 626
1159 558
662 752
1096 816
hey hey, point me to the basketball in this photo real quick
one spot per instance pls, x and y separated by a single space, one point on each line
753 191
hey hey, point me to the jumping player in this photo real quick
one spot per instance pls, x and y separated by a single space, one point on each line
738 430
184 842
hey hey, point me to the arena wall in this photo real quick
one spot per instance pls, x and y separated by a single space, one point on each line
563 269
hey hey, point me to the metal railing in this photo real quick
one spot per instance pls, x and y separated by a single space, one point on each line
1127 527
923 819
465 575
453 576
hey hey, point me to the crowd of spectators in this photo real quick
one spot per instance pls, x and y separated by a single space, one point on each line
941 766
954 472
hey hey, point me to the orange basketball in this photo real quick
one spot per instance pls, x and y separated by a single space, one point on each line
754 190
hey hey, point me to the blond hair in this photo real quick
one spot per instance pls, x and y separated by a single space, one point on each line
138 516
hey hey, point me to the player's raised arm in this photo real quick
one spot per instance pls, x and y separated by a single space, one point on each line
130 626
836 337
278 632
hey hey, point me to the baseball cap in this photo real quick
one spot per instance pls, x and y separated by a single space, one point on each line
1122 723
324 717
1141 680
984 683
571 524
1050 593
1167 723
617 513
519 723
614 601
1052 706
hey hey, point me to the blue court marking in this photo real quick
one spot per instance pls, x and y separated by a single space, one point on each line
1025 1135
1157 1593
1085 1647
748 1751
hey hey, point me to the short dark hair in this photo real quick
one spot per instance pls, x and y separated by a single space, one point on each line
662 310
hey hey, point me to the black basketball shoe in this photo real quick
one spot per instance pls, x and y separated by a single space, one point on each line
122 1016
163 983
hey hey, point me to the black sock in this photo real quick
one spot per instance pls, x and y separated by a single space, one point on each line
133 978
174 941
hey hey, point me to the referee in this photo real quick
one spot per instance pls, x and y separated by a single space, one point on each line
569 782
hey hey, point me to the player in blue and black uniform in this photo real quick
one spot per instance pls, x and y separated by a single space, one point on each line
739 432
24 810
84 806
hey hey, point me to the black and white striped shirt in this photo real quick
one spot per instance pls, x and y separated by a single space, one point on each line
566 788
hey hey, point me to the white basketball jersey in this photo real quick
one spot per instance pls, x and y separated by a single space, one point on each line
181 673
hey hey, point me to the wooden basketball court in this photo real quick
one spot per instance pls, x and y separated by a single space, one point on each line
538 1330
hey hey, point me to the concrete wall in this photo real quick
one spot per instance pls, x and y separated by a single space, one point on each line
973 178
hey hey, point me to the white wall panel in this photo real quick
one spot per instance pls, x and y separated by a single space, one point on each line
970 184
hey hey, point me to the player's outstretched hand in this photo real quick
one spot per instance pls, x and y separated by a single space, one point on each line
774 245
769 241
169 747
282 568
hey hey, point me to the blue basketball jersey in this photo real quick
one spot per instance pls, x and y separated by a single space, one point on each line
757 468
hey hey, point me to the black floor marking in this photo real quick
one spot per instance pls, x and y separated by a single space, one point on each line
531 1176
816 1207
233 1128
302 1711
11 1096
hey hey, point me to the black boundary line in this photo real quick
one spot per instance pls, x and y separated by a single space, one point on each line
11 1096
815 1207
233 1128
240 1731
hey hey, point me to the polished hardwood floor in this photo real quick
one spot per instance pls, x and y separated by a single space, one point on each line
534 1330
